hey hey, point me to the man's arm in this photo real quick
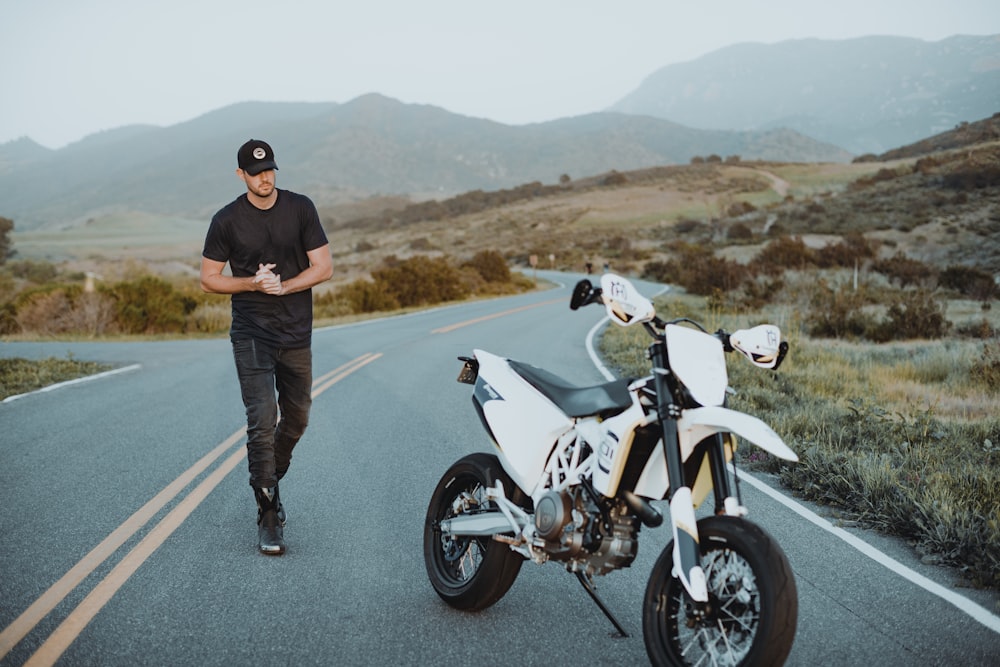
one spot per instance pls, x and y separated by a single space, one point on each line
320 270
213 282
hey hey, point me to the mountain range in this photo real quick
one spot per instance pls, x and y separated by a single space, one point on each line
867 95
821 110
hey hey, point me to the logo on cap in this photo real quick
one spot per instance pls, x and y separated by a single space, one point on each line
259 153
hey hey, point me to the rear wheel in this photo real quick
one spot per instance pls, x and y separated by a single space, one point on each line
468 573
752 601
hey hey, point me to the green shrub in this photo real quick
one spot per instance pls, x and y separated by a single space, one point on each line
847 253
986 370
36 272
420 281
365 296
838 313
905 271
783 253
8 319
698 270
491 266
973 177
150 305
739 232
912 314
972 282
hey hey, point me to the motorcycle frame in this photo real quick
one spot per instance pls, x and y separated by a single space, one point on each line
565 467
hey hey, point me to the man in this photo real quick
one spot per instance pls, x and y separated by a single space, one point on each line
277 252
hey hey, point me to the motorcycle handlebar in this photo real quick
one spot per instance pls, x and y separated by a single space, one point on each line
760 344
584 294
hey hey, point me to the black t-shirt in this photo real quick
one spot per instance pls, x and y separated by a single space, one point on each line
246 236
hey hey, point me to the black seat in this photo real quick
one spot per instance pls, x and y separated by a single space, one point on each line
606 399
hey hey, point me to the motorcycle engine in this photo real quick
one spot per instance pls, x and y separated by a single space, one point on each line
572 529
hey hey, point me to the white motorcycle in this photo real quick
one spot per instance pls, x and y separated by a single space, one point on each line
575 469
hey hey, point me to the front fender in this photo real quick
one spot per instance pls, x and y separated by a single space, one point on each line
698 423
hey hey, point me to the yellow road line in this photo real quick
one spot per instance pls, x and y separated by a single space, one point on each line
26 622
340 375
64 635
485 318
71 627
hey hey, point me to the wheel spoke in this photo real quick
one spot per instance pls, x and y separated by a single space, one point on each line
724 637
468 564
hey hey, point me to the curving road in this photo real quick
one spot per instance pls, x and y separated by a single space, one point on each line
128 532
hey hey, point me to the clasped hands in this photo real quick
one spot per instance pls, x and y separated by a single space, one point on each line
268 281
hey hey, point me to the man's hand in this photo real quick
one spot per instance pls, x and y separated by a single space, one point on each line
267 281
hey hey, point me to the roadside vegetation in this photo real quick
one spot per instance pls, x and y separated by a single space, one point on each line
902 436
20 376
40 301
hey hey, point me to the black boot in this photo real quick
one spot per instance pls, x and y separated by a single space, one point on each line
282 517
271 540
279 506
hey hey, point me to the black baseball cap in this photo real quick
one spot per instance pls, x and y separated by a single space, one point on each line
255 156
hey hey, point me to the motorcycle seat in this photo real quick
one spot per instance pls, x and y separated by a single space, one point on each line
606 400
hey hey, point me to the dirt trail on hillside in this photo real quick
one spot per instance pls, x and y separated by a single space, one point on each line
780 185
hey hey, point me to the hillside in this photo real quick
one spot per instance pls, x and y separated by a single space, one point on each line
942 207
340 153
867 95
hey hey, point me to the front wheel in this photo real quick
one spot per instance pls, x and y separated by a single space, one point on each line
468 573
752 601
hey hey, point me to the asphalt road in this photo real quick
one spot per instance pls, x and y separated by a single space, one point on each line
128 532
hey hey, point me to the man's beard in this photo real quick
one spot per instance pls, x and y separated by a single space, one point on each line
263 190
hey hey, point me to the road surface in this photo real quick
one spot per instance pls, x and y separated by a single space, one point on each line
128 532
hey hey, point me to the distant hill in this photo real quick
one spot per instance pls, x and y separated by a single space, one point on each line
339 152
965 134
799 101
867 95
935 201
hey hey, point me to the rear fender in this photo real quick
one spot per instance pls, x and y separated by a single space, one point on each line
523 423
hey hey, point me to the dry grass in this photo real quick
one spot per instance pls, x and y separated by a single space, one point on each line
20 376
904 437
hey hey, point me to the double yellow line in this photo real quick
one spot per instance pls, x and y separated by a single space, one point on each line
64 635
485 318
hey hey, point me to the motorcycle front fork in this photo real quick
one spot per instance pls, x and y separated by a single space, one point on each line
726 501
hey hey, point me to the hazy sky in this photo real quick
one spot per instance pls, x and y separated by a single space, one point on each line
69 68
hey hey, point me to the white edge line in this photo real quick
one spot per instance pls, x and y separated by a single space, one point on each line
964 604
87 378
608 375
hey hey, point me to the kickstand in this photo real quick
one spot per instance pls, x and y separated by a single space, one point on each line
589 587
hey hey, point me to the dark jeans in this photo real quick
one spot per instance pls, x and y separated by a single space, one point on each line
263 370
